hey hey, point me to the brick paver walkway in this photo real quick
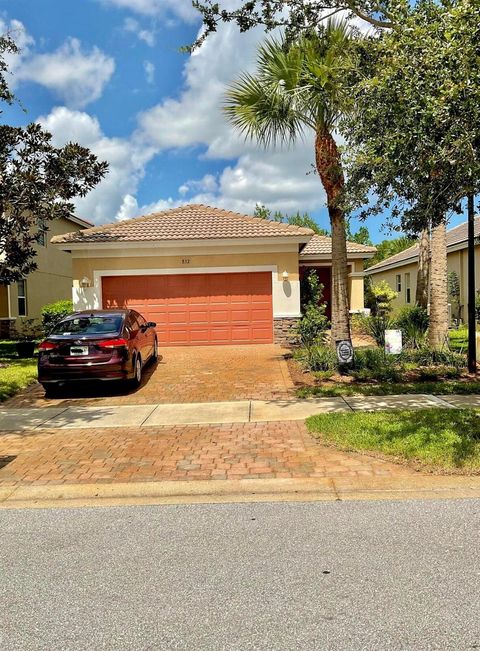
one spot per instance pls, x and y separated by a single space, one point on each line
189 374
235 451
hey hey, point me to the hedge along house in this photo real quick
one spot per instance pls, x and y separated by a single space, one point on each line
206 276
400 270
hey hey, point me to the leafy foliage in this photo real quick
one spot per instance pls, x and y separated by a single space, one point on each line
318 358
53 313
38 183
294 16
413 125
413 321
314 323
383 295
304 220
387 248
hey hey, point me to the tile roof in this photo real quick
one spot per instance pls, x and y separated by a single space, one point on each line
455 236
322 245
191 222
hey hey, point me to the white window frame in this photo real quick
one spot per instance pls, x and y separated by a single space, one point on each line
398 283
408 292
22 296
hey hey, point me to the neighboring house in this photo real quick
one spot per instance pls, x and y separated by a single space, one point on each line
400 270
51 281
205 275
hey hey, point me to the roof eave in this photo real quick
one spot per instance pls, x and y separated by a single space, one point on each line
175 243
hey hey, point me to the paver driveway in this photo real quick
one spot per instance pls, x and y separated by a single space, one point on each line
229 451
187 374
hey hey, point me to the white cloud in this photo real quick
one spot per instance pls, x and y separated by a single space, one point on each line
23 40
75 75
207 184
279 178
127 159
180 8
132 26
149 68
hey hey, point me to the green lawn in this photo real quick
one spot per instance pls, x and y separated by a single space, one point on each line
438 439
459 339
439 387
15 373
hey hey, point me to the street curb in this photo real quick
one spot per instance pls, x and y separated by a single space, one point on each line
237 491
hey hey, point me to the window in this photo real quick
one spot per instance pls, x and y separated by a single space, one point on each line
398 282
22 297
407 288
89 325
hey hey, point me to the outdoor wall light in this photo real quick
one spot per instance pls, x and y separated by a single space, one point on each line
85 282
285 275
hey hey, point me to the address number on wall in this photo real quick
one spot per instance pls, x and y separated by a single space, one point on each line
185 260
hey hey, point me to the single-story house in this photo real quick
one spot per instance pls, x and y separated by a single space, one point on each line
400 270
50 282
206 276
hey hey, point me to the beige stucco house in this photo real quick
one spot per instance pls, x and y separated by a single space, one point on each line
400 270
206 276
51 281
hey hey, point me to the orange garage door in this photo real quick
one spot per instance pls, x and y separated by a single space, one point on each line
199 309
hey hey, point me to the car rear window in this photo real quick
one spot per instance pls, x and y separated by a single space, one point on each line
88 325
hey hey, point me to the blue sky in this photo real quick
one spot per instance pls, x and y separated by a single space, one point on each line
109 74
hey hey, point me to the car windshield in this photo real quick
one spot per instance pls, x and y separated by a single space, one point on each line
89 325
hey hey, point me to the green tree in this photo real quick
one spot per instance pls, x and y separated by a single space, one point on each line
295 16
387 248
298 88
304 220
362 236
414 127
37 183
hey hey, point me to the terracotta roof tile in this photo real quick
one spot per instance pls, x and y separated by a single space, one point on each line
455 236
191 222
322 245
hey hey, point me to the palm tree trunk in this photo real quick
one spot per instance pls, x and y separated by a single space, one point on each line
423 274
438 331
329 167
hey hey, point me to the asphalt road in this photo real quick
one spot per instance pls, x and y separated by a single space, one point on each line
323 576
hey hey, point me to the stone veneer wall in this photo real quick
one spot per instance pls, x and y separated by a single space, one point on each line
284 330
6 328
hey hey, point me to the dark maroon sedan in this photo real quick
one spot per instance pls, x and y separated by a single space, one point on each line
97 345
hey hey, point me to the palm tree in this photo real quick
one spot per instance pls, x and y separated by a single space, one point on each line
297 88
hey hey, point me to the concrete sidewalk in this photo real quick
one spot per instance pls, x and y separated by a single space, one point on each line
240 411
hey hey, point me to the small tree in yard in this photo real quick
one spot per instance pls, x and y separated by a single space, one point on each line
37 183
414 127
314 323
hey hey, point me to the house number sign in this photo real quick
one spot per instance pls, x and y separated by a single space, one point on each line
185 260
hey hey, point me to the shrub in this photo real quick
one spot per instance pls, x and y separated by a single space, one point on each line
314 323
53 313
431 357
375 326
477 307
413 322
383 296
318 358
374 364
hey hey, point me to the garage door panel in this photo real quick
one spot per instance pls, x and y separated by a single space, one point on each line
199 309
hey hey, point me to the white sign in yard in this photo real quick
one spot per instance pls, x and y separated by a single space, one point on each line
393 342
